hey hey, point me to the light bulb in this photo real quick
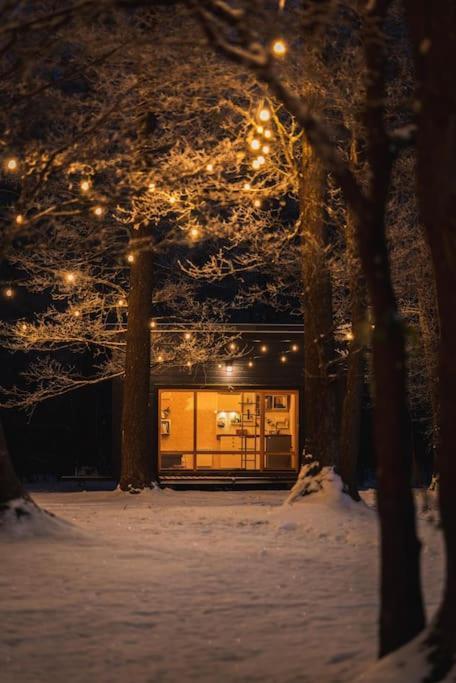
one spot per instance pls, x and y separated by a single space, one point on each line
349 336
247 187
24 327
294 347
279 48
98 211
187 335
268 133
172 199
153 324
260 129
189 364
283 359
250 364
85 186
9 292
256 164
266 149
121 302
233 346
257 203
130 258
263 348
70 278
76 313
160 359
210 168
255 144
12 164
264 115
194 233
19 219
151 187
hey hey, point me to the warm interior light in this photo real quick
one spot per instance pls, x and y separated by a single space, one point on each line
279 48
349 336
160 359
76 313
233 346
264 115
189 364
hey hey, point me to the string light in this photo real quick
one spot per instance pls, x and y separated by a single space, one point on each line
160 359
260 130
279 48
130 258
189 364
268 134
264 115
210 168
153 324
266 149
151 187
283 359
19 219
256 164
9 292
194 233
261 160
349 336
187 335
12 164
294 347
85 185
247 187
24 327
98 211
121 302
257 203
172 199
76 313
255 144
219 365
250 364
263 348
233 346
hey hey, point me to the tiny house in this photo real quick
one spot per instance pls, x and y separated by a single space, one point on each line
236 421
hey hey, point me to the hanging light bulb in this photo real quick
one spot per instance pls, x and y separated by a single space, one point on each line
172 199
121 302
294 347
260 129
187 335
257 203
233 346
189 364
19 219
12 164
130 258
23 327
194 233
210 168
279 48
263 348
264 115
84 185
247 187
160 358
76 312
256 164
266 149
255 144
98 211
70 278
283 359
349 336
151 187
261 160
153 324
268 134
250 364
9 292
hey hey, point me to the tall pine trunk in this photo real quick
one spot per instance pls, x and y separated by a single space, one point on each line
320 387
433 32
10 486
138 470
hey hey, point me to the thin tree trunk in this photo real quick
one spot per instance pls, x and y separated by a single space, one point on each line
433 32
10 486
320 389
137 468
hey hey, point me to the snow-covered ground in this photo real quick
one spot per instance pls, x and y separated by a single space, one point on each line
170 587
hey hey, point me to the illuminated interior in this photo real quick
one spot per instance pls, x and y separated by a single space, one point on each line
226 430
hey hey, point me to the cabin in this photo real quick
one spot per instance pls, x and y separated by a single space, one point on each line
238 421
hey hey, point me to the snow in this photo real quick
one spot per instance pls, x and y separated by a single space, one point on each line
176 586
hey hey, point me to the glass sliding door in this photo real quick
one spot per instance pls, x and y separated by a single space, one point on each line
210 430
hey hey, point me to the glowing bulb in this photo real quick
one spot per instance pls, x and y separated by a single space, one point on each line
283 359
172 199
263 348
19 219
261 160
189 364
187 335
153 324
76 313
151 187
229 369
349 336
256 164
257 203
268 134
12 164
85 185
250 364
219 365
294 347
233 346
121 302
255 144
279 48
210 168
9 292
160 359
24 327
265 149
70 278
130 258
194 233
260 129
264 115
98 211
247 187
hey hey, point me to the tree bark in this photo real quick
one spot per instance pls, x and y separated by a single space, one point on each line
10 486
433 32
138 470
320 388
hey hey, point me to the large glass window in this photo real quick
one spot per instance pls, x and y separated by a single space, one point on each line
227 430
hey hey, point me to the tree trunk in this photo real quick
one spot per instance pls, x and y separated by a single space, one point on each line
401 612
137 468
320 389
10 486
433 31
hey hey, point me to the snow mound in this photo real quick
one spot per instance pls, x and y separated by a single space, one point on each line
409 664
317 506
22 518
